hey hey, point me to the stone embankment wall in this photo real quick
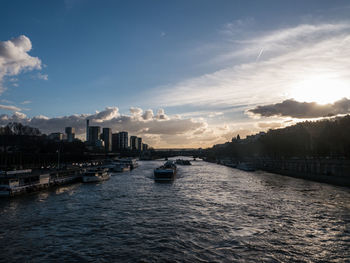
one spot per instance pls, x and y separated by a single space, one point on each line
334 171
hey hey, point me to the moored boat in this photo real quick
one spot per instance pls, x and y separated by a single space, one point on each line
94 175
116 166
22 181
166 172
132 163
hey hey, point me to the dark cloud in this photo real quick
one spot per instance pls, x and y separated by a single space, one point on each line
296 109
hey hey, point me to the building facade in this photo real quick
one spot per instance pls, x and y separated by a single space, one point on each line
107 138
70 132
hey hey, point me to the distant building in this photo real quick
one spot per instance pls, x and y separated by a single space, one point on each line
56 136
94 135
87 130
139 144
115 138
120 141
107 138
70 133
144 147
133 142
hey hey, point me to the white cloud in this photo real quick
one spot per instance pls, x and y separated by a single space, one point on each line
290 57
14 58
9 107
156 130
26 102
43 76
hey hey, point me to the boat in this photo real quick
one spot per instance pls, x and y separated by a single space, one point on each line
121 167
182 162
166 172
23 181
129 161
248 167
94 175
116 166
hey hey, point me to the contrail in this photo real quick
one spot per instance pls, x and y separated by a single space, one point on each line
260 53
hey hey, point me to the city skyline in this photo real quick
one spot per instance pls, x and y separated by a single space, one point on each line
178 74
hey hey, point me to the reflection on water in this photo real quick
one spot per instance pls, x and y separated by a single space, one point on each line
209 213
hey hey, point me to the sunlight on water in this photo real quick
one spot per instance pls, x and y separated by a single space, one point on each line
209 213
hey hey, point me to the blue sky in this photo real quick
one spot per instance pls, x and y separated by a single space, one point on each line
162 55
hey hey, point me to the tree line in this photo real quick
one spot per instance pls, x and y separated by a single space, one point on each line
323 138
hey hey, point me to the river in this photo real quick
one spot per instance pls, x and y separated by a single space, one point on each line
210 213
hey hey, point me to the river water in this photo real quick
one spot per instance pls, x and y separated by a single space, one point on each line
209 213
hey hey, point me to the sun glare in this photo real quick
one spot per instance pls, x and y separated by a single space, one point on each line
320 89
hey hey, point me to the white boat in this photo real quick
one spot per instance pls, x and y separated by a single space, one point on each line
116 166
129 161
121 167
22 181
94 175
166 172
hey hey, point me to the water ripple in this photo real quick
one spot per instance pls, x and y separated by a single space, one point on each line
210 213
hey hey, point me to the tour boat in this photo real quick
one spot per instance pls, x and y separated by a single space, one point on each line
22 181
165 172
130 162
96 175
116 166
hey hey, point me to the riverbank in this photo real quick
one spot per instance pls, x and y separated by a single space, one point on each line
325 170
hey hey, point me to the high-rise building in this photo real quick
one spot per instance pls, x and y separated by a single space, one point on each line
107 138
120 141
139 144
123 140
115 144
133 142
144 147
70 132
87 130
94 135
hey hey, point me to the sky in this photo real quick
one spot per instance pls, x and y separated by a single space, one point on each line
179 74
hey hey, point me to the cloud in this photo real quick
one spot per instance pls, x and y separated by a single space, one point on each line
26 102
43 76
9 107
295 109
14 58
290 56
145 124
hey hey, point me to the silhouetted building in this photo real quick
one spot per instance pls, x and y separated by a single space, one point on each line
94 135
133 142
107 138
70 132
56 136
139 144
120 141
144 147
87 130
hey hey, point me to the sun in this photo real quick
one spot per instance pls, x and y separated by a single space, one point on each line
321 89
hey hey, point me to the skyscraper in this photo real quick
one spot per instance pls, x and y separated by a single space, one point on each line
133 142
70 134
87 130
123 140
94 134
107 138
139 144
120 141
